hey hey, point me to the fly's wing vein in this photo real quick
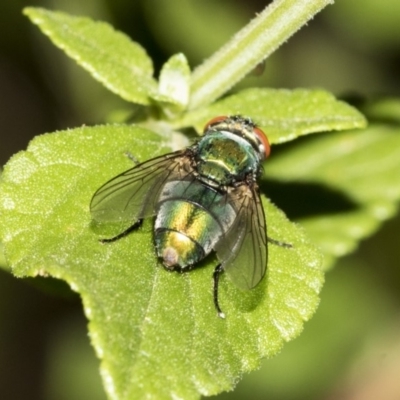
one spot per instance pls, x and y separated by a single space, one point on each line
243 249
133 194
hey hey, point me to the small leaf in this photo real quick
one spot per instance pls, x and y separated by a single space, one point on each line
110 56
282 114
363 166
155 331
174 82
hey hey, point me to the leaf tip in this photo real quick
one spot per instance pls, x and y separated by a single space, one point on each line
30 11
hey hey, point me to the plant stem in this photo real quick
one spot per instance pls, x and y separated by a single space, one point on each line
250 46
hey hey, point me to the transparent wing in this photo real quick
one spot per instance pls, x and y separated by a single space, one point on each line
243 250
133 194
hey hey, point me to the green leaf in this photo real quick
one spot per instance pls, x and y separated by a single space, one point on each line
155 331
174 81
361 168
282 114
110 56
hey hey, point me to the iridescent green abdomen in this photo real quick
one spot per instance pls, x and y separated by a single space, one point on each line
224 158
191 218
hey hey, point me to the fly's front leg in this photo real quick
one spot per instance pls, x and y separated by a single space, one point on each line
279 243
132 157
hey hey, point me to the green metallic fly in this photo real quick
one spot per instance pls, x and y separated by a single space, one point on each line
205 198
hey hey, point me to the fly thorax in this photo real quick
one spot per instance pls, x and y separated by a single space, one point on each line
225 158
191 219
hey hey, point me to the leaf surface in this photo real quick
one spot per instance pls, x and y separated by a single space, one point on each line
282 114
120 64
156 332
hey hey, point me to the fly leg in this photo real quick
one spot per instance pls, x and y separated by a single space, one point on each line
217 272
279 243
132 157
124 233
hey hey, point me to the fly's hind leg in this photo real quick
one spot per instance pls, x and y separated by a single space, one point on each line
217 272
124 233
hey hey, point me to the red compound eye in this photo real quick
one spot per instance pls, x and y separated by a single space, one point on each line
215 121
264 140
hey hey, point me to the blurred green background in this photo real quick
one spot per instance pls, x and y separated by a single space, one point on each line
350 350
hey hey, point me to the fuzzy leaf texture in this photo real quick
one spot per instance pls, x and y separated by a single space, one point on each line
174 81
156 332
111 57
282 114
